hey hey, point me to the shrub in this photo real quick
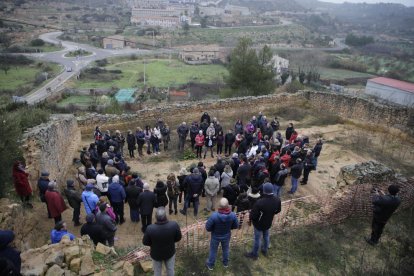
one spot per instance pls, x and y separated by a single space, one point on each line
294 86
37 42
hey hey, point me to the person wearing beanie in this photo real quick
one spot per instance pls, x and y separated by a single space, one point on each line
220 224
146 203
74 198
42 185
262 215
93 230
59 231
161 237
89 199
384 207
55 202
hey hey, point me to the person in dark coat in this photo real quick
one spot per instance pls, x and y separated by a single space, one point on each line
231 192
132 193
183 189
262 217
93 230
308 166
172 191
161 237
10 261
205 117
94 156
182 132
384 207
229 140
55 202
116 194
289 131
42 185
107 223
74 198
146 203
131 140
295 172
160 192
21 183
244 174
220 224
140 138
194 130
194 183
317 150
279 180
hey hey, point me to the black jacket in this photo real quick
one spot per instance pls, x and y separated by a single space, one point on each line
194 184
74 198
131 141
231 192
42 184
146 202
289 132
161 194
296 170
264 210
9 253
132 193
244 174
385 206
94 231
229 139
162 237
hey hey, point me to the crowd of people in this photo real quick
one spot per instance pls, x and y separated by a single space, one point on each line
249 176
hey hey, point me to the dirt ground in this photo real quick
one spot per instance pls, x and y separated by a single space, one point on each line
129 234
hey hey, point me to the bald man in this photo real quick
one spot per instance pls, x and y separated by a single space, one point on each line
220 225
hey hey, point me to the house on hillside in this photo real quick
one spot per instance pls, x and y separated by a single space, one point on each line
202 54
114 42
396 91
280 65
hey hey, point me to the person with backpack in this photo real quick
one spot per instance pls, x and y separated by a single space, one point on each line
172 191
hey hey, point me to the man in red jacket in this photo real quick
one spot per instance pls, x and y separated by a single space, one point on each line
55 202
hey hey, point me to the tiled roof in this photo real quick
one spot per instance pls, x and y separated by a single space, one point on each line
402 85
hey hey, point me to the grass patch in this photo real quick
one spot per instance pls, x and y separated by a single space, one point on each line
78 53
341 74
84 100
159 73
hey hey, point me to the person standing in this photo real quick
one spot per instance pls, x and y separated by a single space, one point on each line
182 132
140 137
93 230
107 223
132 193
55 202
229 140
295 172
220 224
231 192
317 150
21 183
211 187
117 197
102 182
131 140
172 191
161 237
199 142
384 207
146 203
160 192
308 166
165 134
74 199
194 183
262 217
89 199
42 185
279 180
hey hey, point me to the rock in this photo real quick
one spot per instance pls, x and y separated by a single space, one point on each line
113 252
146 266
128 269
87 266
33 264
118 265
55 257
103 249
55 270
71 253
65 240
75 265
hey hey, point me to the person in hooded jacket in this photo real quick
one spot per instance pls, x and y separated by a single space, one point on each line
9 255
55 202
160 192
74 199
132 194
117 197
220 224
205 117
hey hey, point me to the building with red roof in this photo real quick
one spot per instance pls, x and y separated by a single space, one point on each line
396 91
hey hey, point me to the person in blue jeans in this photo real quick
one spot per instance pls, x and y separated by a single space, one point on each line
194 184
296 173
220 225
262 215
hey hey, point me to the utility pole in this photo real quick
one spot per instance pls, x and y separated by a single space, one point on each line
153 38
145 67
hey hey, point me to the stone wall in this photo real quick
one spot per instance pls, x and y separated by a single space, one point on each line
51 147
344 105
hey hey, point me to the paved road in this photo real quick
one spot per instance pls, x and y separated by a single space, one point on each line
76 63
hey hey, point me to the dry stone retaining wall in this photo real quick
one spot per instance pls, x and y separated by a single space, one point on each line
50 146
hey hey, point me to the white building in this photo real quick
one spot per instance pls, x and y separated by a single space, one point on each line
400 92
280 64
